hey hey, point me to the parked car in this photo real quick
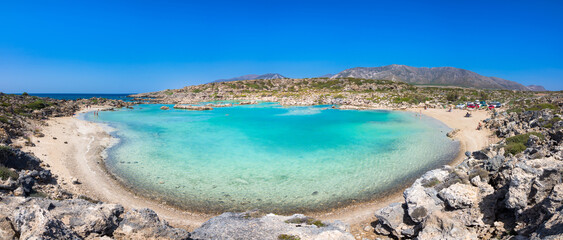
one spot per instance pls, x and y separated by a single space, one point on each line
460 106
491 106
496 104
471 105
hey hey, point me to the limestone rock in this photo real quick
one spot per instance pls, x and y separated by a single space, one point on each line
391 219
269 227
145 224
460 195
86 218
422 200
519 188
36 223
440 226
6 229
552 229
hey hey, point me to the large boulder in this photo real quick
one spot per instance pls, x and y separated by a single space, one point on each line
33 222
6 229
460 196
519 189
392 221
440 226
145 224
421 198
270 227
555 199
552 229
18 159
86 218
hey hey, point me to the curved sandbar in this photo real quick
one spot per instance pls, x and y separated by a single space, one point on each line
82 159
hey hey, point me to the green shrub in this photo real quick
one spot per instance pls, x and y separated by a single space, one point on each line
306 220
5 152
541 106
83 197
25 94
516 110
39 104
549 123
6 173
3 119
288 237
431 183
401 99
452 96
38 194
517 144
514 148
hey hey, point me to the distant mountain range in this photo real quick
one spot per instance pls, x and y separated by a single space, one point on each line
446 76
252 77
431 76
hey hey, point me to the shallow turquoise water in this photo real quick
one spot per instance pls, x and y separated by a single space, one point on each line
270 157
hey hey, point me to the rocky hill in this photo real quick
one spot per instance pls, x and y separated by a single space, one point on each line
266 76
536 88
448 76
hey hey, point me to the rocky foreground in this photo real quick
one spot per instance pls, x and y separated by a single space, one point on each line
509 190
495 193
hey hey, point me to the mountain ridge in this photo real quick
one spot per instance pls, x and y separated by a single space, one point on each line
252 77
436 75
447 76
536 88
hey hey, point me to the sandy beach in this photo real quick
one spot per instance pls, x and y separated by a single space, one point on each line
74 149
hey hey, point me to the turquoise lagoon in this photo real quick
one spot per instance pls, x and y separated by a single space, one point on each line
269 157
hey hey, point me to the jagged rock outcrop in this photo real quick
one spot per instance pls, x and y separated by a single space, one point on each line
39 218
145 224
243 226
493 193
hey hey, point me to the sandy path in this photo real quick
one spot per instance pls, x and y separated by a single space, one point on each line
81 158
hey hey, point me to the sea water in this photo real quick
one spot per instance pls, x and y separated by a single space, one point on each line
269 157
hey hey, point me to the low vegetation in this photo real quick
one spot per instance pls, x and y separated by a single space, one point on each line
306 220
288 237
6 173
517 144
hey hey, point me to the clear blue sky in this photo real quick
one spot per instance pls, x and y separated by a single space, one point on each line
139 46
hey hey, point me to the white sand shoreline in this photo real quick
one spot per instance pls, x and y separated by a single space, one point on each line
82 158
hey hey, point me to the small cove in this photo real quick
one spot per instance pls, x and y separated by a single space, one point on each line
269 157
